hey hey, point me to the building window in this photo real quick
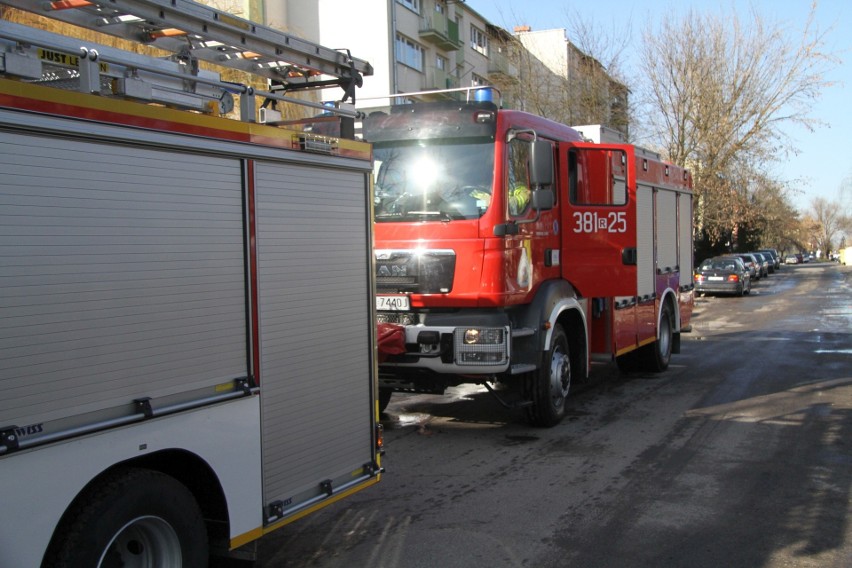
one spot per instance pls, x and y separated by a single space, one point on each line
409 53
477 81
413 5
442 63
478 40
439 7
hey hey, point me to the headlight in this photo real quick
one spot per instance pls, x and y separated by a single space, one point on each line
487 336
481 346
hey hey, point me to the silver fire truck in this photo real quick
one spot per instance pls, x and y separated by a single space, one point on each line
187 339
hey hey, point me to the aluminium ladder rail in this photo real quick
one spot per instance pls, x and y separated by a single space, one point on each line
184 26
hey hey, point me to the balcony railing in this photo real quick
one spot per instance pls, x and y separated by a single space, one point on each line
500 64
439 30
436 78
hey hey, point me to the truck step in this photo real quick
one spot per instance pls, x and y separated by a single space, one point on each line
523 368
522 332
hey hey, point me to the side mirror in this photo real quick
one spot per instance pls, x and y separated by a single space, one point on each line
541 164
543 199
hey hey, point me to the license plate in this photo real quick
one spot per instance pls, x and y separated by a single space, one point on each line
715 278
392 303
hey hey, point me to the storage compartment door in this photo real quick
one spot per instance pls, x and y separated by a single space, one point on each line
685 239
316 350
122 276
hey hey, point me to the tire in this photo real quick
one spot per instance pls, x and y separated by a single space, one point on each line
548 387
384 398
133 517
656 356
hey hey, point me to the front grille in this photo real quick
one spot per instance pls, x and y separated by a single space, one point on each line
420 272
398 271
399 318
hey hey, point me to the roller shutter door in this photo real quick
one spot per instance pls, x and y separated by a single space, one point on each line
122 275
315 343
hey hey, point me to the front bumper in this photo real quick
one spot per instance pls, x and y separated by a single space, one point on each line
454 349
719 287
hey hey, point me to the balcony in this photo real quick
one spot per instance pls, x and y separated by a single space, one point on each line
439 79
440 31
501 66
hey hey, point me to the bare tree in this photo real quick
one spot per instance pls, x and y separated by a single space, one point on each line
606 93
777 223
718 91
579 83
826 223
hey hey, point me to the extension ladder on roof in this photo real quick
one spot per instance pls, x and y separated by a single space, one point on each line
210 34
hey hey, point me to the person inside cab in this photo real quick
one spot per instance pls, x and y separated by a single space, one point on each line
518 187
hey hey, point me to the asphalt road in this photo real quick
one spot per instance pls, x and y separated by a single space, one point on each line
739 455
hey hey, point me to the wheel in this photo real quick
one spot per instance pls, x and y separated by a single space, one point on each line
548 386
656 356
132 518
384 398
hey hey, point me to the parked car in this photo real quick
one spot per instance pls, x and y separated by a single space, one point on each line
776 259
763 261
766 262
723 275
791 259
752 265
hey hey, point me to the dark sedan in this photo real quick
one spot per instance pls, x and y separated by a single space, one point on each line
751 264
723 275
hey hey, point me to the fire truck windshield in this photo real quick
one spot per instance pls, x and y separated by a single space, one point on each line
423 181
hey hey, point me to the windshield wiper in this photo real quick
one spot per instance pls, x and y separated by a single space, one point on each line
419 216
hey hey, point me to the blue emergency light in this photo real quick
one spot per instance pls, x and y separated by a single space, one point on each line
484 95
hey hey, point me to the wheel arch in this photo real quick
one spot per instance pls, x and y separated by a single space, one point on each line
555 302
669 297
572 318
187 468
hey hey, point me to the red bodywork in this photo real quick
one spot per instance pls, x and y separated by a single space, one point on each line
502 271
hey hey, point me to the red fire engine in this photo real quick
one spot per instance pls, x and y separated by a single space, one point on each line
512 250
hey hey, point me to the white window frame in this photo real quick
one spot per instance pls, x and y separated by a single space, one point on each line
478 81
409 53
478 40
413 5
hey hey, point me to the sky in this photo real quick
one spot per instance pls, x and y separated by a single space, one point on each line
824 160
